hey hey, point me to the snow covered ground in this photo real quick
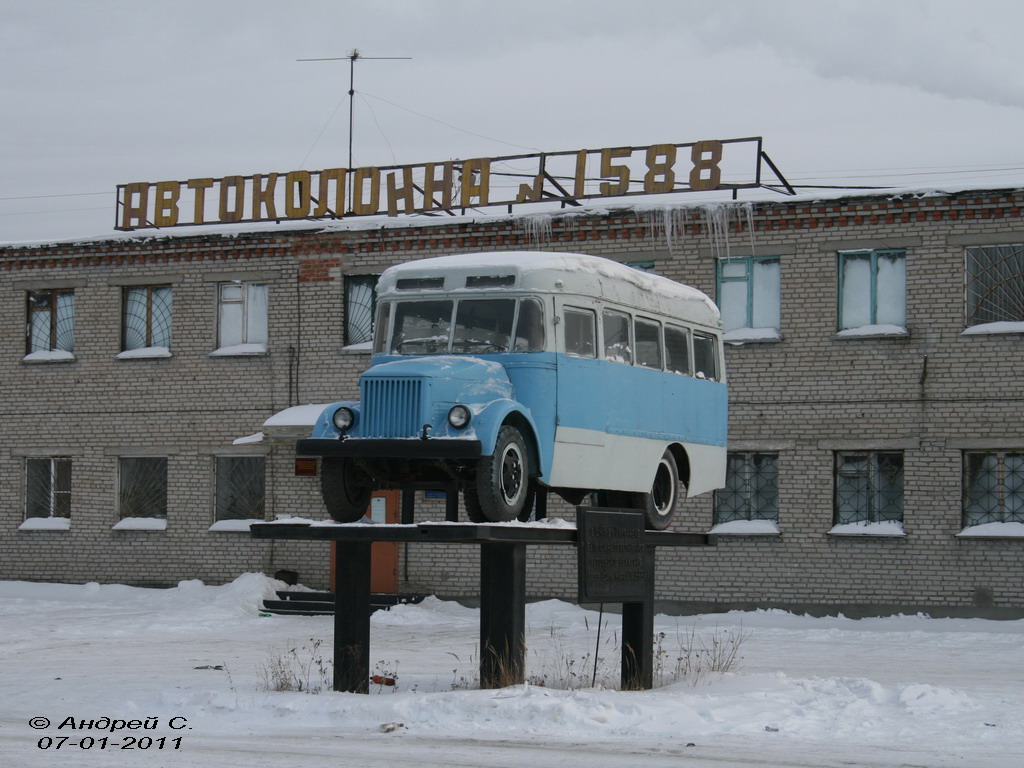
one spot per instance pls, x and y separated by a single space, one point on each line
902 691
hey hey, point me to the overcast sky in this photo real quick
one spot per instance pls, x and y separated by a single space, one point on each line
94 93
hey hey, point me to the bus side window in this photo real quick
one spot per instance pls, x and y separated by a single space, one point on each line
648 344
704 356
530 328
579 328
616 337
677 350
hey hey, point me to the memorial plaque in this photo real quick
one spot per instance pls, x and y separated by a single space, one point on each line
611 555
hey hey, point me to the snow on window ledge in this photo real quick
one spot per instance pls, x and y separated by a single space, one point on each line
366 346
248 439
739 336
141 524
144 353
992 329
873 332
887 528
240 350
233 526
46 524
993 531
746 528
49 356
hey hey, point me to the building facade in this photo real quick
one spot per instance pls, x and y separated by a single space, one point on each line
875 364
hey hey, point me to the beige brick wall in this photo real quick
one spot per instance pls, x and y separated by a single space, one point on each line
928 393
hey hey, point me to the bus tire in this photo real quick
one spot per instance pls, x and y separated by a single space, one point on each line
503 489
660 503
346 489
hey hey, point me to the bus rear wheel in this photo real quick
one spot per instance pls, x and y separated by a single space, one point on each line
660 503
346 489
502 490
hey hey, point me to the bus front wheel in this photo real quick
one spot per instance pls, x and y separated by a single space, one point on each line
502 490
346 489
660 503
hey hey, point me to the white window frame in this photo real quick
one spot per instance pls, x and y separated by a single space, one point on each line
252 331
762 298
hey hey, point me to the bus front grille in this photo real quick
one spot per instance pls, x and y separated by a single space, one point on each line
391 407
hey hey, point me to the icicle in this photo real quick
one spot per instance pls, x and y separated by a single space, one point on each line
716 225
676 222
537 228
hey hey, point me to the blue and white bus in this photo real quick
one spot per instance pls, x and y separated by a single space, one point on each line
502 373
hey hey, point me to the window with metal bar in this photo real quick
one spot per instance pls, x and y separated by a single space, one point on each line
993 487
994 284
868 487
240 488
48 487
147 318
142 483
872 288
751 489
360 308
51 321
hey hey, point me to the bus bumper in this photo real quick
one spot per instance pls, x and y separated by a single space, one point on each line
367 448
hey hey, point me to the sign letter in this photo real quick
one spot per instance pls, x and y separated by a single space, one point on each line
167 195
134 205
297 194
323 208
263 197
403 193
476 181
359 207
228 185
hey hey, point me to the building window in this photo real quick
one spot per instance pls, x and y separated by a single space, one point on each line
147 318
143 487
751 489
51 321
993 488
748 294
872 289
240 488
48 487
242 312
994 288
360 308
869 487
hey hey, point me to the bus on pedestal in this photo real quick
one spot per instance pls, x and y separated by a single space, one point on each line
499 374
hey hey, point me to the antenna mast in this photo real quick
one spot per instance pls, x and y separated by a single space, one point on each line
352 57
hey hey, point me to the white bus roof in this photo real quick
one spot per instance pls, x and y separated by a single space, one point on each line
547 272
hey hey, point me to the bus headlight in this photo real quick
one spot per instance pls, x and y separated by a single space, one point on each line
344 418
459 416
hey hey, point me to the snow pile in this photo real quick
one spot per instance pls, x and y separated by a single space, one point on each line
804 691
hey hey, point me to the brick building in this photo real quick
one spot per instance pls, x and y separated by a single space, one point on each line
876 377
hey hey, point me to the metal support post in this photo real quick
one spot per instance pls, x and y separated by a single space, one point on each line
352 616
451 504
408 506
638 634
502 614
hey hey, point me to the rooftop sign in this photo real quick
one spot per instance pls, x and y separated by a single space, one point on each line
444 187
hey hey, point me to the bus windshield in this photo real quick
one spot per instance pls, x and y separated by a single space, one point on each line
467 326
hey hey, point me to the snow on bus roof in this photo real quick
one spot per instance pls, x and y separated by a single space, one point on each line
579 265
